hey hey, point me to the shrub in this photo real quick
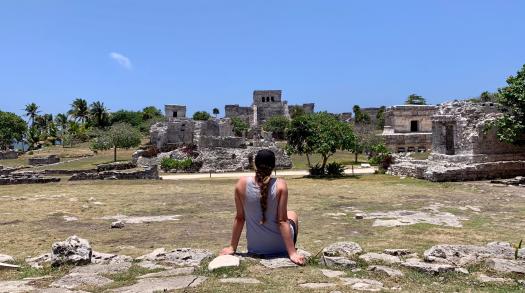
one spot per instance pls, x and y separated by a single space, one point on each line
239 126
335 169
168 163
380 155
316 170
201 115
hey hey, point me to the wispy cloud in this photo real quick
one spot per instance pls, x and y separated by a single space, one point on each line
121 60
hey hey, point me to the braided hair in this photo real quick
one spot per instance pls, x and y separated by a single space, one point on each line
264 165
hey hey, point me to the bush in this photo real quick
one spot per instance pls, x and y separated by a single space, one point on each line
335 169
277 125
201 115
316 170
239 126
380 155
168 163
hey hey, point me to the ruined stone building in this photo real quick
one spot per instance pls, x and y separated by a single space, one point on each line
265 104
465 147
408 128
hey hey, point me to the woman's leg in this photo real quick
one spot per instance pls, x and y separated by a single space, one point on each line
292 217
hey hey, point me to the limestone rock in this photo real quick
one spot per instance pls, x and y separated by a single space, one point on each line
426 267
397 251
15 287
506 265
386 270
151 285
157 254
75 280
332 274
150 265
74 250
486 279
461 271
283 262
39 261
58 290
142 219
170 273
338 261
117 225
103 268
380 257
187 256
6 258
240 281
4 265
317 285
346 249
105 258
461 255
223 261
363 284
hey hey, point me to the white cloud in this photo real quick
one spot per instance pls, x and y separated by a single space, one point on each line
121 60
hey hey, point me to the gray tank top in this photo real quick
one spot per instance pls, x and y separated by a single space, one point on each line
263 239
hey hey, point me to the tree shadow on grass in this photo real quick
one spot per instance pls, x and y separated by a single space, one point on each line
331 178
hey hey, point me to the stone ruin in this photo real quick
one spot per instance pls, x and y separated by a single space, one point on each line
46 160
8 155
408 128
464 147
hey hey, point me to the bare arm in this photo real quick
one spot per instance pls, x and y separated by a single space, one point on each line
238 222
284 225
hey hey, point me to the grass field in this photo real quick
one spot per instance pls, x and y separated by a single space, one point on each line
31 219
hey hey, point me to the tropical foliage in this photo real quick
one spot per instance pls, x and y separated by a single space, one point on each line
12 128
119 135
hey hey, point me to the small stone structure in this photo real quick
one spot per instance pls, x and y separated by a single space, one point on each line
14 178
408 128
372 113
175 111
129 174
51 159
8 155
464 147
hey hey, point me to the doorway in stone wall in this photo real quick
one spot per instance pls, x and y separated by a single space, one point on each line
449 139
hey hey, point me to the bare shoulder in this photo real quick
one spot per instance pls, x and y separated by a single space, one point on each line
241 184
281 184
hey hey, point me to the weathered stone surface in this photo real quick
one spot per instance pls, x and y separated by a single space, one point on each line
104 258
380 257
506 265
75 280
283 262
70 218
317 285
426 267
116 166
397 251
74 250
170 273
404 217
518 180
58 290
179 257
486 279
386 270
117 224
142 219
461 255
15 286
109 268
223 261
151 285
39 261
332 274
240 281
6 258
151 172
346 249
363 284
4 265
157 254
23 178
46 160
461 270
150 265
338 261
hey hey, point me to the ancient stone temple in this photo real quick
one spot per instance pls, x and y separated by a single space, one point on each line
408 128
175 111
465 147
266 104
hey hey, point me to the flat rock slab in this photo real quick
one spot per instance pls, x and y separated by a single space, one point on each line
397 251
4 265
380 257
346 249
142 219
74 250
223 261
15 286
39 261
283 262
150 265
363 284
427 267
6 258
338 261
506 265
317 285
404 218
169 273
462 255
240 281
110 268
105 258
486 279
58 290
179 257
386 270
75 280
332 274
161 284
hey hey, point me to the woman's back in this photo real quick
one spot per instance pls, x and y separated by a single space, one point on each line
263 239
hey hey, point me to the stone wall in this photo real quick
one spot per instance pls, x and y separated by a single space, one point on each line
372 113
116 166
131 174
243 113
8 155
26 179
307 108
51 159
175 111
218 141
408 142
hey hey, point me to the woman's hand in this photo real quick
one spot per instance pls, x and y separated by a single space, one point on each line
297 259
227 250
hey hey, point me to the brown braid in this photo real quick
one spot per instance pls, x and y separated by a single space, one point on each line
263 175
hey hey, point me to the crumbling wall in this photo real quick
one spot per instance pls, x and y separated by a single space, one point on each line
175 111
131 174
51 159
8 155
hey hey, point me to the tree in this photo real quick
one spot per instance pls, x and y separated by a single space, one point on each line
488 97
511 127
359 116
32 112
12 128
320 133
365 138
120 135
124 116
99 114
150 112
201 115
216 112
414 99
61 121
79 110
277 125
380 118
239 126
32 137
296 112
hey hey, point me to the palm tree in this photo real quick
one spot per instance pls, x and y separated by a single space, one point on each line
215 112
99 114
32 112
61 121
79 110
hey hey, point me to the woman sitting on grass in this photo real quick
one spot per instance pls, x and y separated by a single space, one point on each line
261 202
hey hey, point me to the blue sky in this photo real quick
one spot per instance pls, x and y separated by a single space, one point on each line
130 54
